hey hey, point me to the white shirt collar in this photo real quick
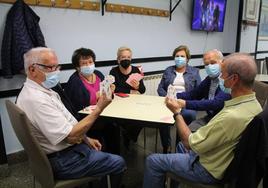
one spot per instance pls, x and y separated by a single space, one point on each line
35 85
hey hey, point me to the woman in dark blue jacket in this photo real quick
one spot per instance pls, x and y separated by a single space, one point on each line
183 78
83 90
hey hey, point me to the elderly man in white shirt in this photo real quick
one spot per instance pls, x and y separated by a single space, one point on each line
63 139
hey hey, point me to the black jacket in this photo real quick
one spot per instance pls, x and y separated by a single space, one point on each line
77 92
21 33
250 162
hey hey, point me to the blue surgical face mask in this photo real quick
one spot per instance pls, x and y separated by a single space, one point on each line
52 79
87 70
180 62
223 88
213 70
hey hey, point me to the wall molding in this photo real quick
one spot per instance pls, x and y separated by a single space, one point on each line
14 92
262 52
70 4
109 7
106 63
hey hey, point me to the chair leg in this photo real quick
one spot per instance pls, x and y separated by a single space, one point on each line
168 181
108 181
156 138
144 138
33 181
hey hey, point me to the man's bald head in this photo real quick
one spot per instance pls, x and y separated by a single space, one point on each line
243 65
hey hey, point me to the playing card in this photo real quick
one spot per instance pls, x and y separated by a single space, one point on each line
171 92
134 76
105 85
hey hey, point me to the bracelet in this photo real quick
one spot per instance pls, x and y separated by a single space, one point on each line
176 114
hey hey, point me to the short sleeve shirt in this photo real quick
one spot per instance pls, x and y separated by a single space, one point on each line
215 142
52 122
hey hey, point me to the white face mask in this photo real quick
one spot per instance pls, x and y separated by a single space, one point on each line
87 70
180 61
52 79
223 88
213 70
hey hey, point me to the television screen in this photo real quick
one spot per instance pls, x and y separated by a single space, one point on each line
208 15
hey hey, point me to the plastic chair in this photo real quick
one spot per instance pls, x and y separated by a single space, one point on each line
39 164
261 90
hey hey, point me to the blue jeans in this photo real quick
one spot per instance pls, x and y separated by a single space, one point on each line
82 161
184 164
188 116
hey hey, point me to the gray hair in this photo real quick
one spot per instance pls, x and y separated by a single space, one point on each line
216 52
35 55
243 65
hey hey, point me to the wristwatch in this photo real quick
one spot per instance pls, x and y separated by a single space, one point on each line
176 114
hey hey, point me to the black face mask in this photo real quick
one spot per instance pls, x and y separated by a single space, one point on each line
125 63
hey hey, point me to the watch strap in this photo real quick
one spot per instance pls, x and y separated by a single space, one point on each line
176 114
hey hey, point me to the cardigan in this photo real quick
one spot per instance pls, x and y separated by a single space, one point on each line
77 92
197 99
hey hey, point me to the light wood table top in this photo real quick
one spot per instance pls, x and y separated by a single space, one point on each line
144 108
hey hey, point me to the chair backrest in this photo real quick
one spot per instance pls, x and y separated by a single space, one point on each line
38 160
261 90
266 62
250 154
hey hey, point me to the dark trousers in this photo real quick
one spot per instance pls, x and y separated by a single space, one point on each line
108 134
81 161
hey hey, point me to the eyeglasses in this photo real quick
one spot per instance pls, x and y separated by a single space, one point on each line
48 67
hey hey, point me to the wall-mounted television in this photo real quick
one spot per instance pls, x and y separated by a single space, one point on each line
208 15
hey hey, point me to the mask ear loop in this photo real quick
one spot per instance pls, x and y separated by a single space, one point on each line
231 77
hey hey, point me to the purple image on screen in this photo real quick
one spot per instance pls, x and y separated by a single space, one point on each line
208 15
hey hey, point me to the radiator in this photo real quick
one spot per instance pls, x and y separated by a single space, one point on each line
151 83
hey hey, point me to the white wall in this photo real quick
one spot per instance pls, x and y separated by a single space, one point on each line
248 39
263 44
66 30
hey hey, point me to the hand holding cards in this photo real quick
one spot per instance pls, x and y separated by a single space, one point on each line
134 76
105 85
171 92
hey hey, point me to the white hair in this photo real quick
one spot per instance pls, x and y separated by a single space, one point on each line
217 52
220 55
34 56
